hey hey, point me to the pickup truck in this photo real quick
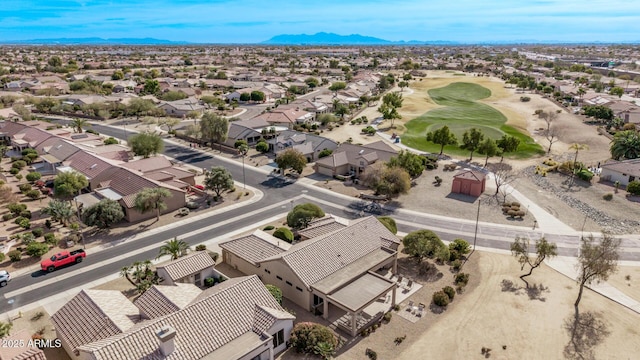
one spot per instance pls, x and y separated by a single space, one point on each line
61 259
5 277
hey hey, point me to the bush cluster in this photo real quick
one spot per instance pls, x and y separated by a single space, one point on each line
451 293
284 234
440 298
305 336
461 279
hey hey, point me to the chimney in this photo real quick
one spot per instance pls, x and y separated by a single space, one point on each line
166 335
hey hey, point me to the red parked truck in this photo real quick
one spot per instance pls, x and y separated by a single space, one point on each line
61 259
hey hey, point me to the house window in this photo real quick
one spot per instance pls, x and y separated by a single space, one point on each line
278 277
278 338
197 278
267 271
288 283
299 289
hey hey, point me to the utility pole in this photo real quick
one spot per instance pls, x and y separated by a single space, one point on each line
475 234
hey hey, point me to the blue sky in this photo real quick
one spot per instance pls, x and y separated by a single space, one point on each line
248 21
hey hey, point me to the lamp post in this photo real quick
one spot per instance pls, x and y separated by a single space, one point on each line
475 234
124 126
243 149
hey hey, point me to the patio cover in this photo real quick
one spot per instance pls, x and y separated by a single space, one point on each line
361 292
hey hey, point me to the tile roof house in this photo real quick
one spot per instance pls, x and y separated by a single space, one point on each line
323 226
287 117
20 348
247 130
190 269
237 319
102 313
308 144
89 165
349 159
180 108
162 169
624 171
122 185
336 267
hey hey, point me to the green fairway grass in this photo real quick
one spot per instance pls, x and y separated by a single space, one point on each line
461 113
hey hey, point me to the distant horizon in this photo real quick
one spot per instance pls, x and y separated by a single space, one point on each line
252 22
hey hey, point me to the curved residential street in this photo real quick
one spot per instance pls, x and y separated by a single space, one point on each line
275 197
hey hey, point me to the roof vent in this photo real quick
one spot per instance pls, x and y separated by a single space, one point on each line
167 335
93 166
361 151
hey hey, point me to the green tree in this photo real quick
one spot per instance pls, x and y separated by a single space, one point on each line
411 162
111 140
257 96
117 75
139 107
301 215
312 82
68 184
214 128
284 233
103 214
325 153
291 158
175 248
59 211
599 112
151 87
577 147
337 86
425 243
616 91
262 147
149 199
33 177
146 144
488 148
173 95
218 179
507 144
442 137
276 292
520 249
625 145
458 247
471 140
391 102
633 187
78 124
170 123
384 180
596 261
306 336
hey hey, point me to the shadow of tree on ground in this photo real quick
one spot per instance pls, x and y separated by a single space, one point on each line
586 330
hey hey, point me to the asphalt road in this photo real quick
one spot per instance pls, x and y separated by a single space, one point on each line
275 191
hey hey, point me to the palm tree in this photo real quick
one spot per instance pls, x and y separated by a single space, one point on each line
78 124
59 211
577 147
625 145
3 150
176 248
581 91
151 199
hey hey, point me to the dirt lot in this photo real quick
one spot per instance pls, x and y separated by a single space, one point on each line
38 321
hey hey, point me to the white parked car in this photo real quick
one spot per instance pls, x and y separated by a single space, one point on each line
5 277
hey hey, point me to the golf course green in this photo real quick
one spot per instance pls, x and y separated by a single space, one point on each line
460 112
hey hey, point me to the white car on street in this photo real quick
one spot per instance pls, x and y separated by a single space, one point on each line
5 277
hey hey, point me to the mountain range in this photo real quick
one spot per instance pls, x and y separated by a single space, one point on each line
95 41
323 38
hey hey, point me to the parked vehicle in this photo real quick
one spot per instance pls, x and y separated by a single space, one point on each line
61 259
5 277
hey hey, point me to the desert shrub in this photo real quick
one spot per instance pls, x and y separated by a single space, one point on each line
209 282
387 316
284 234
389 223
214 255
302 214
511 213
525 98
440 298
515 204
14 255
19 177
2 257
6 217
48 224
461 279
269 227
27 238
458 248
201 247
451 293
305 336
372 355
37 232
50 238
14 171
608 196
33 176
584 174
37 249
33 194
634 187
25 223
276 292
262 147
19 164
24 188
457 264
25 214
